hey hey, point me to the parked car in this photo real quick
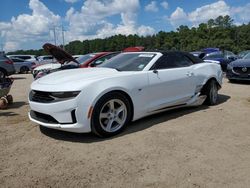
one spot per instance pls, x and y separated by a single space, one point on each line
125 88
45 59
6 66
31 58
239 69
22 66
69 62
224 58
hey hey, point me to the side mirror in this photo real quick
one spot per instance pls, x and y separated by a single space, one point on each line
155 71
232 58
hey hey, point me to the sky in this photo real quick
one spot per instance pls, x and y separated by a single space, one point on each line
28 24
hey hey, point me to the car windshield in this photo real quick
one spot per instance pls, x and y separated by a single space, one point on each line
82 59
129 61
247 56
214 55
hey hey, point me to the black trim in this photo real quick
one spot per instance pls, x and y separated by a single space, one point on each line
178 105
73 115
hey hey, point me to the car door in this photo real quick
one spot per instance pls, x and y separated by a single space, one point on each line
18 63
171 81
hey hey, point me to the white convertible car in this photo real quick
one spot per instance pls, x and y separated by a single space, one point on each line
130 86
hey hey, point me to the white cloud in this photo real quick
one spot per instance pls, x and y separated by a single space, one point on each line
91 21
152 6
71 1
242 13
207 12
178 17
32 30
27 28
210 11
164 4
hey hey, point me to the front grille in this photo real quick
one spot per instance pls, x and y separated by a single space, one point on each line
239 70
41 96
45 118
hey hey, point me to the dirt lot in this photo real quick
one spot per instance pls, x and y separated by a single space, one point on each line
194 147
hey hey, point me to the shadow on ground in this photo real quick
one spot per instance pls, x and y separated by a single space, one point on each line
243 82
19 78
16 105
136 126
3 113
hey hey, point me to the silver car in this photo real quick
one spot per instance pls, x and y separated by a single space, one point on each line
6 66
21 65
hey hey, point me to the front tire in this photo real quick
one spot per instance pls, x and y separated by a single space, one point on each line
211 91
110 115
24 70
2 73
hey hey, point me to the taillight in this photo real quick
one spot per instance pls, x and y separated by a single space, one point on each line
9 62
33 64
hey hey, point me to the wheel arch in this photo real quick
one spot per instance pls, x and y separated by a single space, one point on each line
123 92
209 80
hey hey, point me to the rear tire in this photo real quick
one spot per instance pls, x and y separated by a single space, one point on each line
110 115
211 91
2 73
24 70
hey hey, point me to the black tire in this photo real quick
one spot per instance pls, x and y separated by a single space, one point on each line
2 73
98 122
231 81
211 91
24 70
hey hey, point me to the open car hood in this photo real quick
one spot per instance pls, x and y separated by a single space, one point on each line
58 53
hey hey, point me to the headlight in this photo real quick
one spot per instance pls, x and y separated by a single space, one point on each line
65 95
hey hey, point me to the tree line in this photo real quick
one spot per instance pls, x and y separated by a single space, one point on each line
220 32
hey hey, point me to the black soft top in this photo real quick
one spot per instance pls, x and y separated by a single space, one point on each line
194 59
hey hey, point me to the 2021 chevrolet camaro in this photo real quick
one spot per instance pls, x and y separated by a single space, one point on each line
129 86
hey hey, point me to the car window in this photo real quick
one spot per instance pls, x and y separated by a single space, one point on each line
99 61
17 60
82 59
214 55
172 60
247 56
129 61
46 58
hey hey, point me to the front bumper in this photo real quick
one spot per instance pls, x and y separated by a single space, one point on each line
232 76
63 115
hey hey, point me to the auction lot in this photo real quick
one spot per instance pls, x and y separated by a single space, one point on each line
191 147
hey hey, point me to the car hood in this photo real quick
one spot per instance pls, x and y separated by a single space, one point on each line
58 53
241 63
74 79
48 66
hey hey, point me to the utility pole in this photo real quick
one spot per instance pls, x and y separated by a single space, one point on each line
54 30
62 37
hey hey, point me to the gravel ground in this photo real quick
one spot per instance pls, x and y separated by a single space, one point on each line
192 147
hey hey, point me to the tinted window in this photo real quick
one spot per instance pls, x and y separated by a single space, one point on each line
82 59
17 60
172 60
45 58
102 59
129 61
247 56
24 57
214 55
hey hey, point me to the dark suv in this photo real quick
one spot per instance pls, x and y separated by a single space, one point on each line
6 66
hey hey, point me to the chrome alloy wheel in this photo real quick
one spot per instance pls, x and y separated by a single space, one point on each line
113 115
